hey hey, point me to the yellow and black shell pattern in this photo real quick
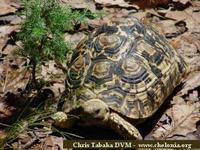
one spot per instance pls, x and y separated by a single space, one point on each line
128 65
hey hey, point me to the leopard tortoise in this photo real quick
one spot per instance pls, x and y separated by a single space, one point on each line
120 75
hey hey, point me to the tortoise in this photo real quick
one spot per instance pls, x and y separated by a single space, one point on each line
120 75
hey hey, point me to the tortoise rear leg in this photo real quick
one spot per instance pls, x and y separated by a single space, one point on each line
124 128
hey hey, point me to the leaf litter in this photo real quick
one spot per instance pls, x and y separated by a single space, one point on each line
183 115
178 20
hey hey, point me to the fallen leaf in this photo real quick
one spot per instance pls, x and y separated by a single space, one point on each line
7 29
6 8
196 16
192 82
15 76
176 15
50 72
190 17
188 45
89 4
139 15
3 41
6 110
195 4
154 13
182 1
74 39
95 23
2 134
194 96
7 19
148 3
183 116
166 27
121 3
53 142
8 49
193 18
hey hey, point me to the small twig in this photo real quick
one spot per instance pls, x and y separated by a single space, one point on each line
4 86
5 125
32 141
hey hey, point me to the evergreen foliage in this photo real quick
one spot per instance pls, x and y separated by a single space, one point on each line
42 33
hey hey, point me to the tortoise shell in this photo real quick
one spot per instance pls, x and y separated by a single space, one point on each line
128 65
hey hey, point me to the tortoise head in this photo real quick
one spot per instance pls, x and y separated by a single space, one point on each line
94 112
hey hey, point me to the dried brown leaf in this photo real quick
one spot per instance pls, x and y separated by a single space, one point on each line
53 142
97 23
166 27
188 45
8 49
74 39
189 16
148 3
89 4
182 1
192 82
7 29
195 4
15 75
183 116
6 8
13 19
139 15
6 110
2 134
3 41
176 15
50 73
121 3
196 17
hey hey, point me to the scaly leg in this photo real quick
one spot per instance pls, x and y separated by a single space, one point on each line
124 128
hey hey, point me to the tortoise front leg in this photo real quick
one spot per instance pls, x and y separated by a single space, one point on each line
124 128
